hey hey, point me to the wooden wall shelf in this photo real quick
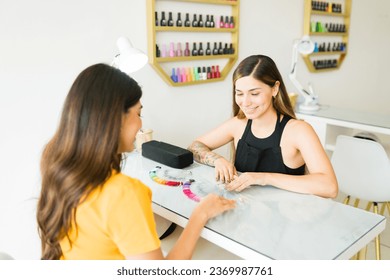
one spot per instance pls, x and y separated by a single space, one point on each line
312 16
208 33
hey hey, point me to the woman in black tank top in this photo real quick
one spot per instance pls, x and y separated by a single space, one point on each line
271 146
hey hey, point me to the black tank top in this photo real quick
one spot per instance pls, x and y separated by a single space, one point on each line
263 154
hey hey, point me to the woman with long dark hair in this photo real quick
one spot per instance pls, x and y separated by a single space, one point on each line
87 208
271 146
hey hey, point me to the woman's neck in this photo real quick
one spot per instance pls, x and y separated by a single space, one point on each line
267 119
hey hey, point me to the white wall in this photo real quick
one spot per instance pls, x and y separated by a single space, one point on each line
44 44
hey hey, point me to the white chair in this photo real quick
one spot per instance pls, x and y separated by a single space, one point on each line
362 169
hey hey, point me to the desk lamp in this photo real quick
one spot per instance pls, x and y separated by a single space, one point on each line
303 46
129 59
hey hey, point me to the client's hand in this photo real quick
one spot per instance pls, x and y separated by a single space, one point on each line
224 170
244 181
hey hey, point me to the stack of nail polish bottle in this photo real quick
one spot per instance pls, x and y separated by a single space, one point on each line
193 74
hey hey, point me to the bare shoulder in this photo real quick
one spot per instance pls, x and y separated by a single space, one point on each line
238 126
299 129
239 122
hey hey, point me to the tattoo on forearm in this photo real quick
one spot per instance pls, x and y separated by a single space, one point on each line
203 154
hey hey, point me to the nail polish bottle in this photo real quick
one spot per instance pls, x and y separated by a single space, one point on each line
226 23
215 49
183 75
194 50
313 26
328 48
221 22
188 74
212 23
231 23
179 78
192 73
196 74
187 49
225 49
218 74
170 20
200 50
204 73
179 52
220 49
163 51
194 21
315 47
179 23
156 18
208 73
171 50
187 21
231 49
173 76
200 22
207 23
199 74
158 53
208 50
213 76
163 22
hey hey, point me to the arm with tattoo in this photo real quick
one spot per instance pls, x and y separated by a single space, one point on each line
203 154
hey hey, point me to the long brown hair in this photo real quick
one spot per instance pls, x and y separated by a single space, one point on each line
264 69
84 150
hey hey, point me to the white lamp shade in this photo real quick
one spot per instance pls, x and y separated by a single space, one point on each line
129 59
305 45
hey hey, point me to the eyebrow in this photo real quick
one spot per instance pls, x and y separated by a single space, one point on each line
252 89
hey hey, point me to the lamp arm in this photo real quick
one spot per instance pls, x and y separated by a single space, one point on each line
308 95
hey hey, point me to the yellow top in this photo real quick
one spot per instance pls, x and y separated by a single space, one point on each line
113 222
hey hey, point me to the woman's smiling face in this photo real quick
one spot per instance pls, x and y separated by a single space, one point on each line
253 96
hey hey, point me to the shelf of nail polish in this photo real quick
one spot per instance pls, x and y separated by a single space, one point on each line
319 27
315 14
329 48
325 64
195 74
197 50
192 18
326 7
197 22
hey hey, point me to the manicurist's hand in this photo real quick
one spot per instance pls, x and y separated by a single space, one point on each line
224 170
213 205
244 181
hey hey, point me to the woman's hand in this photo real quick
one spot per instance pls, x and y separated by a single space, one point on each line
213 205
245 180
224 170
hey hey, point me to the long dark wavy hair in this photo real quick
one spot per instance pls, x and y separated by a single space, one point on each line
83 152
264 69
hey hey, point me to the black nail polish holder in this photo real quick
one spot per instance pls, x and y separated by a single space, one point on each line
167 154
